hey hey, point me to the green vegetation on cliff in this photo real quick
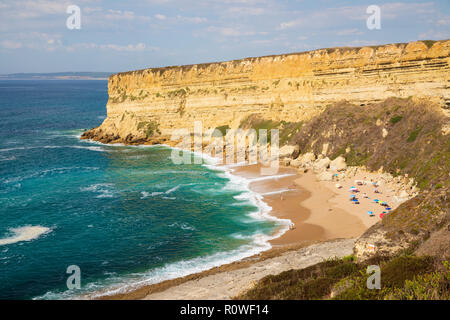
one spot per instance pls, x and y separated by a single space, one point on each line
150 128
404 277
402 137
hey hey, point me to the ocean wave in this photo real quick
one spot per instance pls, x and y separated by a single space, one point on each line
242 185
256 243
26 233
146 194
43 173
66 134
7 158
103 189
127 283
183 226
92 148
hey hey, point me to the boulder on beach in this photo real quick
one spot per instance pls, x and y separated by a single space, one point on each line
296 163
338 164
286 161
322 164
325 176
288 151
304 160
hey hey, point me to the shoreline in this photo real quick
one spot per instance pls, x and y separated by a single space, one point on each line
316 210
306 202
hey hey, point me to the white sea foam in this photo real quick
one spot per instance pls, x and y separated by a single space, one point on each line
183 226
258 242
272 177
103 189
146 194
7 158
276 192
45 172
123 284
92 148
26 233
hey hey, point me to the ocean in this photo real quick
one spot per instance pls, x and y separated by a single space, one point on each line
126 216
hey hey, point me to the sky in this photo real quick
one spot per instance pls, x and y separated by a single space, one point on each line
122 35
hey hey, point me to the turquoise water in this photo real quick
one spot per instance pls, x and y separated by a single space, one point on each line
126 216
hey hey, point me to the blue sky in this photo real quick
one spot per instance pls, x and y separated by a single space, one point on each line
127 35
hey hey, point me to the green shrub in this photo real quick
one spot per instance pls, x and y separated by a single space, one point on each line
396 119
223 129
150 128
413 135
431 286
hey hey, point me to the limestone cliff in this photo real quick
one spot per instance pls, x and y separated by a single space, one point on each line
290 87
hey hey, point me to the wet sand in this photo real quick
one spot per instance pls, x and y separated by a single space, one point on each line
313 206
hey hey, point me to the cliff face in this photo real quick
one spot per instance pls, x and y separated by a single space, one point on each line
291 87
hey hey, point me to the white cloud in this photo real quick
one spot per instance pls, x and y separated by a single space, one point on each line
349 32
139 47
230 31
10 44
247 11
195 20
336 16
434 35
444 21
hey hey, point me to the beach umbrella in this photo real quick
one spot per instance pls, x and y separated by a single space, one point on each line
382 215
370 213
388 209
375 200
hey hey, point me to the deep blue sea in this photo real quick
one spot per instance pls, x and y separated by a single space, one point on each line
126 216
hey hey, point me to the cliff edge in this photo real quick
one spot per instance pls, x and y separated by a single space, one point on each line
145 106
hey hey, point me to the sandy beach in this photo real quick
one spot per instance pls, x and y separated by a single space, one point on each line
321 213
318 209
309 204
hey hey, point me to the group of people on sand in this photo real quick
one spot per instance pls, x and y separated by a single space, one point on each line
355 200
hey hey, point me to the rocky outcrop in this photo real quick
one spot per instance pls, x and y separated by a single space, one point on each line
338 164
291 87
422 221
288 151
